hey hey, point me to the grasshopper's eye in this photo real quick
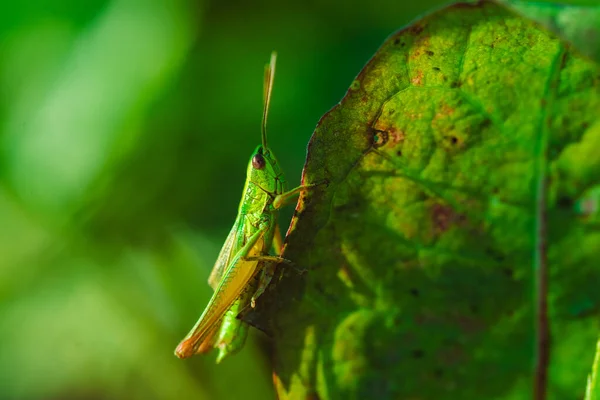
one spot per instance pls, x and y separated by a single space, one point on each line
258 161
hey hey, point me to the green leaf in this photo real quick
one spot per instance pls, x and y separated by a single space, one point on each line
593 386
463 157
578 24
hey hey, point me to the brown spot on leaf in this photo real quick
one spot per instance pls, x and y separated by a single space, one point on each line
446 109
494 254
396 135
470 324
508 272
416 29
417 80
418 353
379 137
444 216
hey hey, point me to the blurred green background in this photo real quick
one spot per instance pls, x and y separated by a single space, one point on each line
126 127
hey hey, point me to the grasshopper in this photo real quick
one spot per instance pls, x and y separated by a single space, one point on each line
244 267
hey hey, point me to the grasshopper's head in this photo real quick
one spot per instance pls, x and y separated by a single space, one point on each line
264 171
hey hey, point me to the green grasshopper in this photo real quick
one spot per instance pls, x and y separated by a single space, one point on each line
244 267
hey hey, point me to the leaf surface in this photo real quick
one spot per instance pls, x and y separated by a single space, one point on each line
462 135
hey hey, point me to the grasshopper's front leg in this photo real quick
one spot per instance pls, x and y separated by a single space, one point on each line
268 271
284 198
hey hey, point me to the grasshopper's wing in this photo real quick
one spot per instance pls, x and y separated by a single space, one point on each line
216 274
202 336
230 333
235 279
225 255
210 341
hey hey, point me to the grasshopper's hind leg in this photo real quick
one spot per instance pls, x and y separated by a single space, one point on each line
233 332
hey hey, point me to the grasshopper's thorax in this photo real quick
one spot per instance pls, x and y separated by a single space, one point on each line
264 181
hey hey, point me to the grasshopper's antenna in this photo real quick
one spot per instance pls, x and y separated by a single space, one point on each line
267 88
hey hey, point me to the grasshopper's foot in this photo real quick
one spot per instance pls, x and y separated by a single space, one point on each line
265 278
323 182
299 270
